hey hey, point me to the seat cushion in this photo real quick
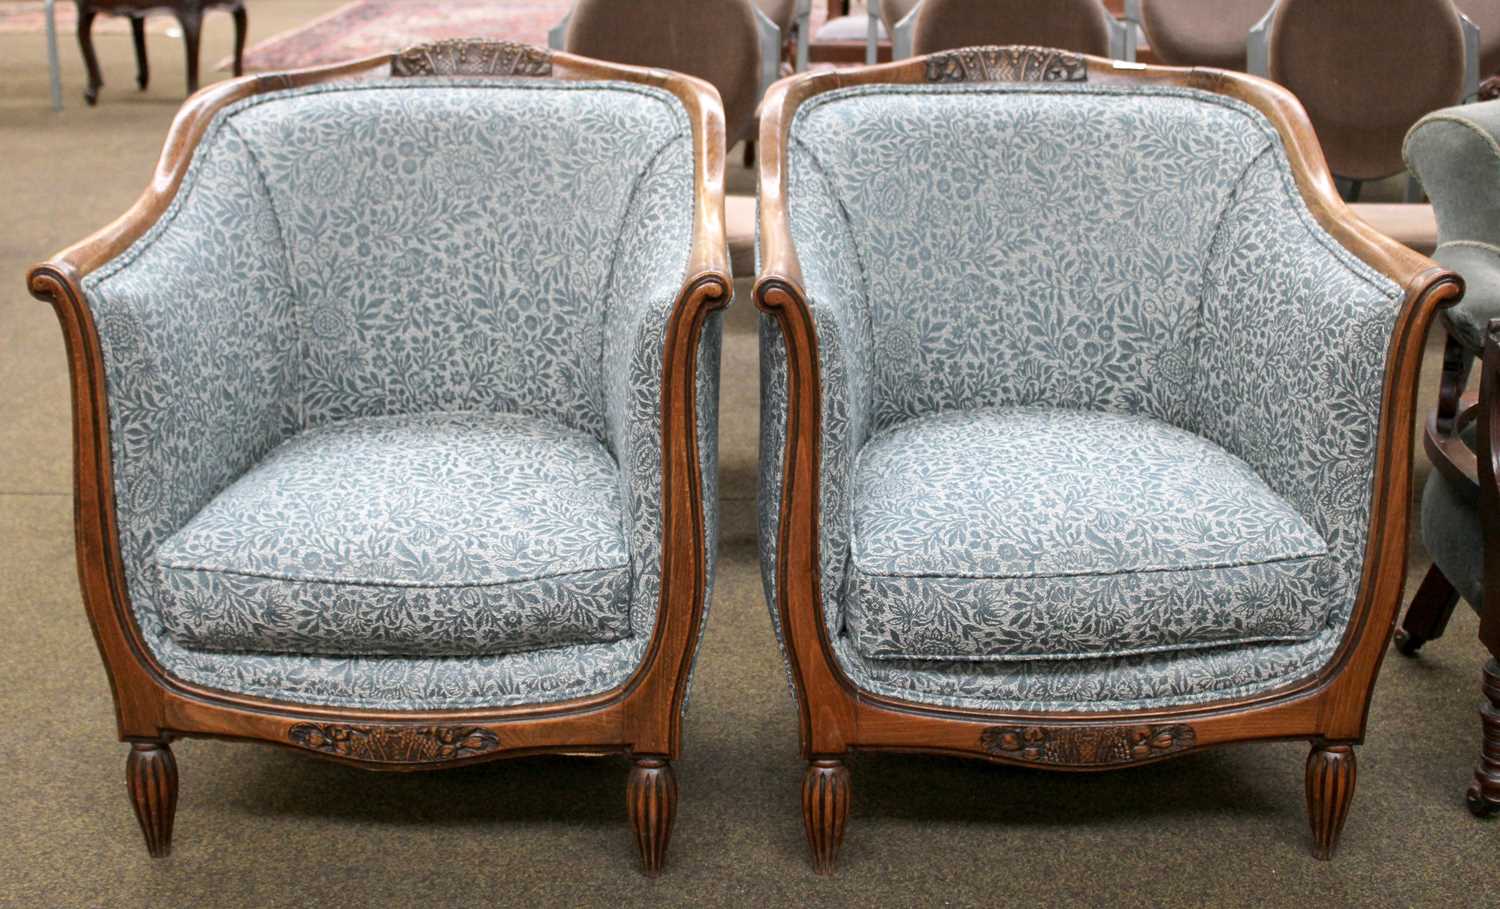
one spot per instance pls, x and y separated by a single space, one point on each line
433 535
1031 533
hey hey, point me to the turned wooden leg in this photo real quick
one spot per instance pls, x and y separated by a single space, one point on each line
651 799
151 775
825 809
1484 792
1428 614
1330 788
241 22
86 15
191 20
142 67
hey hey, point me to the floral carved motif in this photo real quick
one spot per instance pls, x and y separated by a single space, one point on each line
1006 64
1087 746
394 744
472 57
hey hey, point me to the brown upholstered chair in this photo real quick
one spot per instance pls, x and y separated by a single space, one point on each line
1365 72
731 44
1197 32
1084 26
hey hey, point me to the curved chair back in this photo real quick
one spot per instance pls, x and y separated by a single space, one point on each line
1195 33
1366 71
1456 154
1486 15
1084 26
731 44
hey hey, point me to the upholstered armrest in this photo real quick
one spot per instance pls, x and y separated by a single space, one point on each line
1292 356
1456 154
196 339
825 279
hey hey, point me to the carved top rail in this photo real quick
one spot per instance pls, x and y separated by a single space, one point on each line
1007 64
472 57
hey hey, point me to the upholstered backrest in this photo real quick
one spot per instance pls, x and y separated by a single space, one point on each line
1196 33
1366 71
716 40
1076 25
1019 244
450 247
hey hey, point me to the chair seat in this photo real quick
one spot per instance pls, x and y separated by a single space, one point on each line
1453 531
1031 533
432 535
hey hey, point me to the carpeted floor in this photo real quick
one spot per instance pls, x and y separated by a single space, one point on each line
263 827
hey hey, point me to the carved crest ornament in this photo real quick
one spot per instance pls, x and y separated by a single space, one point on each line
472 57
1087 746
1007 64
394 744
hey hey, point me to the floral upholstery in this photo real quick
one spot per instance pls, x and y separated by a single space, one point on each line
435 534
971 248
996 535
275 298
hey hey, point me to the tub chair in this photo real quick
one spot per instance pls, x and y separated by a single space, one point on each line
394 407
1088 418
1454 153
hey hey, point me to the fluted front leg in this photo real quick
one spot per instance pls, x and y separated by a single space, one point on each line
1330 789
651 798
825 809
1484 792
151 776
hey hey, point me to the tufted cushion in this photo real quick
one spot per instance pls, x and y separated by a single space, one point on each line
442 534
1021 533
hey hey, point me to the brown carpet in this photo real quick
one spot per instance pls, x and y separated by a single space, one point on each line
262 827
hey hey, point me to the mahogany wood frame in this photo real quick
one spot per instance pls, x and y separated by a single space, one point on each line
641 719
1473 470
1328 709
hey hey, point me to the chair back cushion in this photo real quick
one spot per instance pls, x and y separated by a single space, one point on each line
1021 244
1076 25
449 248
716 40
1195 33
1366 71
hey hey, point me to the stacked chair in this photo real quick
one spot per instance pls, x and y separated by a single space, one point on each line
925 26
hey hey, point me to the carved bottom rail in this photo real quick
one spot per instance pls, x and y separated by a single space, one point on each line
394 744
1087 746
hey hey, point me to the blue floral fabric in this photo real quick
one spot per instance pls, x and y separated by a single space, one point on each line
435 534
996 534
1129 250
276 296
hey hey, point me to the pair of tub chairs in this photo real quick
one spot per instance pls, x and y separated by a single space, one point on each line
1086 428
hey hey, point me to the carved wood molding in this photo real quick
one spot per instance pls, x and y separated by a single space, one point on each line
472 57
1006 64
394 744
1087 746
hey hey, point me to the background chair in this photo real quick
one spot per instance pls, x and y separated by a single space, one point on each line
1195 32
980 372
731 44
1454 153
1365 72
189 15
400 450
925 26
791 17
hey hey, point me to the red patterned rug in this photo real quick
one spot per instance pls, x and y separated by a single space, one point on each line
367 27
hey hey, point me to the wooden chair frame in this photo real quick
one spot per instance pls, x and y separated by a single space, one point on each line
1328 709
642 718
